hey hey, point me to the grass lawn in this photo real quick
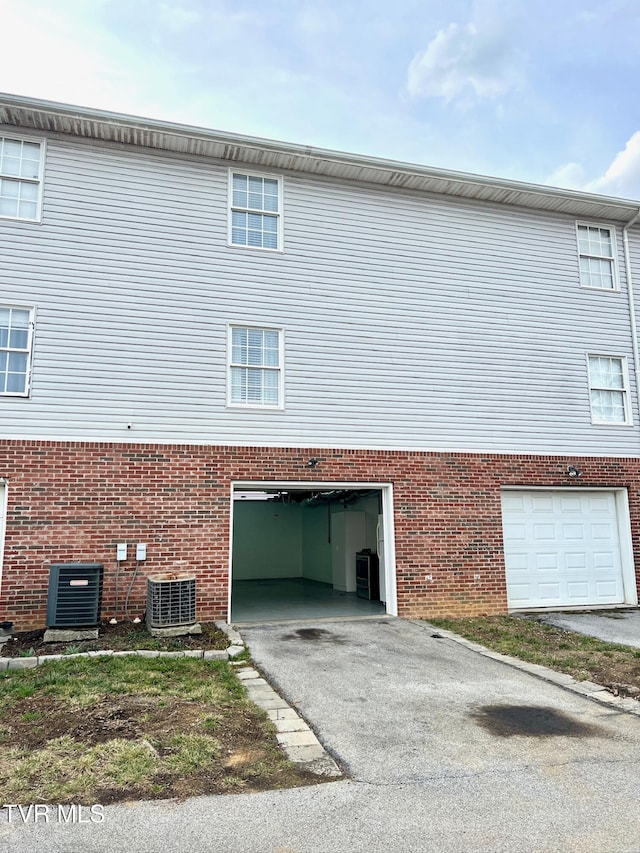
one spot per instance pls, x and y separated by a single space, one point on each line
106 729
614 666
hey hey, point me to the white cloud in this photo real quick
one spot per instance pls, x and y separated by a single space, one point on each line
571 176
73 60
176 17
314 21
87 63
622 178
463 58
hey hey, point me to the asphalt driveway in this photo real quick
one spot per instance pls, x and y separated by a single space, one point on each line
447 751
614 626
395 704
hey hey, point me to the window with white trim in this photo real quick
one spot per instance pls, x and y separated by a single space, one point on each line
255 207
20 178
16 335
596 248
609 389
255 367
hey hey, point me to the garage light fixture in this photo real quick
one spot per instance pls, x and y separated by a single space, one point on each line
572 471
312 463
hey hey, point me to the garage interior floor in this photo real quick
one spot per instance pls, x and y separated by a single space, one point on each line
295 598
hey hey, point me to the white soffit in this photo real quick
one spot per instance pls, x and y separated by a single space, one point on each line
21 112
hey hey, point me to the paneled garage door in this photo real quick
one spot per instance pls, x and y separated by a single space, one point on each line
562 548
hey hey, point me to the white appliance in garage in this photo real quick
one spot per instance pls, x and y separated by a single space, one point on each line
381 558
567 548
348 536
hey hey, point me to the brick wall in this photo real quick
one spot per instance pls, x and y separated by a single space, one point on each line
70 501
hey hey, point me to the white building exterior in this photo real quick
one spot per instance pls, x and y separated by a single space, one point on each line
168 285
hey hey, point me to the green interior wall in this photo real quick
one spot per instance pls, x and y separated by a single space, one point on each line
274 540
316 548
266 540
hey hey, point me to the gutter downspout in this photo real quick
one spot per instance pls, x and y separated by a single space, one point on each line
630 297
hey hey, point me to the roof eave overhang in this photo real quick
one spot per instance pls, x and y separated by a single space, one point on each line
267 154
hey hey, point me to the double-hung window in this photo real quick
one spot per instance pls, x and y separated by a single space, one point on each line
596 249
20 178
255 211
609 389
16 335
255 367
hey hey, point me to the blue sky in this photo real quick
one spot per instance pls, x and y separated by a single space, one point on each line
535 90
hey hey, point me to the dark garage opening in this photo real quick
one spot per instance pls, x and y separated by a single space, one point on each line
295 554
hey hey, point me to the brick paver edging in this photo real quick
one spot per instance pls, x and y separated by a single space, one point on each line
292 732
235 648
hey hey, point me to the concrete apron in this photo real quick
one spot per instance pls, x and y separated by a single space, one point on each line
613 626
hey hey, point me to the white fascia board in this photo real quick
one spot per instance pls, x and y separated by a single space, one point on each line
134 130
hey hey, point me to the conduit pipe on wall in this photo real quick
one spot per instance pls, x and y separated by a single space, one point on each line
632 307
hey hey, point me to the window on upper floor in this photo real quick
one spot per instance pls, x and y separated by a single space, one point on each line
255 367
16 336
596 249
255 211
20 178
609 389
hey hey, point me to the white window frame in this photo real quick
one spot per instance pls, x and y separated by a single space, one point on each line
29 349
231 208
613 258
234 404
628 421
39 181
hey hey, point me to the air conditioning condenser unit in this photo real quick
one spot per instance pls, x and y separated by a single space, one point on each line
75 595
171 600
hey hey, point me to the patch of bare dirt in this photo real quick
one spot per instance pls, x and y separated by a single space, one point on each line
249 759
36 720
121 637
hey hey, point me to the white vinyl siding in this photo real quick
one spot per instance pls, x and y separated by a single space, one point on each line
255 211
411 321
608 389
596 248
20 178
16 334
255 366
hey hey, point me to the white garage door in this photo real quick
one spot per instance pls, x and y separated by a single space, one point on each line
562 549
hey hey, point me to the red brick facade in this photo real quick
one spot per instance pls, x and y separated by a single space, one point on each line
70 501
